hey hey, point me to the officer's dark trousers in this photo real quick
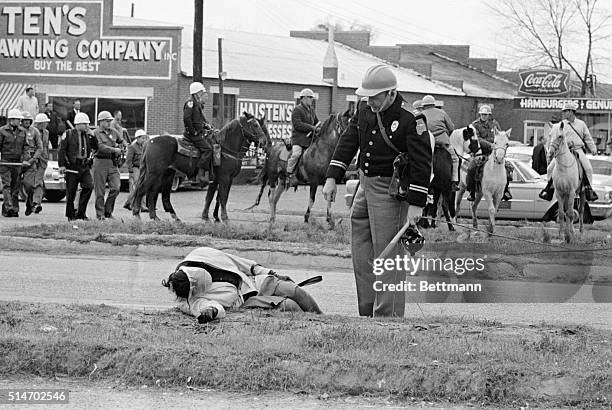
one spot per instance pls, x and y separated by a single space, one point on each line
11 182
72 182
205 149
375 219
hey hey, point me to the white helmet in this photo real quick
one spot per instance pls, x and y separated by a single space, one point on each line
196 87
41 118
428 100
484 109
81 118
377 79
140 133
14 114
307 92
104 115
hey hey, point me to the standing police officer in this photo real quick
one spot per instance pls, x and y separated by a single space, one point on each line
305 126
12 144
376 217
76 147
33 149
197 128
106 165
40 122
132 162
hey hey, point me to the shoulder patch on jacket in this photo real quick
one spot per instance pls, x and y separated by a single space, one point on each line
407 107
190 104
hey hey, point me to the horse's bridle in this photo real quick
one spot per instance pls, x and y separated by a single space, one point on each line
495 149
249 138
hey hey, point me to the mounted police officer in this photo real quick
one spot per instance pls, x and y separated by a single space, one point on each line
481 149
33 149
485 123
577 137
197 129
382 127
305 126
76 149
13 155
441 126
106 165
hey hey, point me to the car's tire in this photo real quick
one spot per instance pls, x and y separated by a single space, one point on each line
54 195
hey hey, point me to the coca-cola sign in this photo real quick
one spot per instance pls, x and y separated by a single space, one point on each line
544 83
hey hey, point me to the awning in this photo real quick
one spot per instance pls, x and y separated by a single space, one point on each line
9 93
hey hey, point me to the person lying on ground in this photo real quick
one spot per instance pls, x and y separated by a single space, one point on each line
209 281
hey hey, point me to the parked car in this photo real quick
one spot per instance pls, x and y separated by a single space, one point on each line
526 204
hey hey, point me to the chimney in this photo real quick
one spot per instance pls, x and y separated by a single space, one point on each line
330 69
132 13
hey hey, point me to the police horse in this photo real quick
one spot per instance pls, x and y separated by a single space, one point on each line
311 168
493 179
568 183
164 155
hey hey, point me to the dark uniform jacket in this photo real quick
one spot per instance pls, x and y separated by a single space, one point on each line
304 121
194 120
134 153
376 157
12 143
69 148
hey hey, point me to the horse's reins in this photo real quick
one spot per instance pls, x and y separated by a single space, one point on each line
235 155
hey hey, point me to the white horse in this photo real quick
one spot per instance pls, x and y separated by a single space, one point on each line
567 183
493 179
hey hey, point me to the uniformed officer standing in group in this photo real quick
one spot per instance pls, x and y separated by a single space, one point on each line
376 217
132 162
40 122
12 155
106 165
76 147
197 129
33 150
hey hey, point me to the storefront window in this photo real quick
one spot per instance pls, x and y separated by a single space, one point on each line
533 131
229 107
63 105
132 110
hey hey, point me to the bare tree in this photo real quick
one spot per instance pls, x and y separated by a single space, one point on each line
564 34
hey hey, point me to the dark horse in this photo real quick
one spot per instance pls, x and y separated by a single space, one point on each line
440 187
311 168
161 159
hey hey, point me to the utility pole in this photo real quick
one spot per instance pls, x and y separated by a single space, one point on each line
198 31
221 110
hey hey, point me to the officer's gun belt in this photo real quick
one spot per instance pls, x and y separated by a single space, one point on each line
105 156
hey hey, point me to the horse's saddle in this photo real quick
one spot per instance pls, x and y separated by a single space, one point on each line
186 148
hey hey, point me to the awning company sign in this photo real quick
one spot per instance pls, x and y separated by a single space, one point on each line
555 104
68 39
544 83
276 113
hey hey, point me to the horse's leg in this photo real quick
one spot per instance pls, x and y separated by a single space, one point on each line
152 200
477 199
210 193
224 198
434 207
459 197
492 201
166 189
446 204
311 199
276 194
560 213
581 207
216 210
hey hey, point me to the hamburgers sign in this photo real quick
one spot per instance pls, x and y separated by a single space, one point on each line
544 83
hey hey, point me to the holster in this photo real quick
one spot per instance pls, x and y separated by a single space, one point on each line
398 188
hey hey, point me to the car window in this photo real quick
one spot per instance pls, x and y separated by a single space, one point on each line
520 157
601 167
528 173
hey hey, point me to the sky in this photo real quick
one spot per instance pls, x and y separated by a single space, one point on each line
469 22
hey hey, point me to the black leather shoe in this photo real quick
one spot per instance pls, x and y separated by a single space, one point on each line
13 214
28 211
591 196
38 209
454 186
471 197
507 196
128 207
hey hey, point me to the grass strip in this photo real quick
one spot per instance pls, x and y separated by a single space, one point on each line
450 360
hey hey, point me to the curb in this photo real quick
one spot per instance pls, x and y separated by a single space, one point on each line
258 252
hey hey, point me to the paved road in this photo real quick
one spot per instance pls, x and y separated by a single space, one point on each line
135 282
